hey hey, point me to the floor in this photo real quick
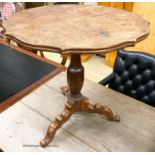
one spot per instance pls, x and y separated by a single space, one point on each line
25 123
95 69
28 119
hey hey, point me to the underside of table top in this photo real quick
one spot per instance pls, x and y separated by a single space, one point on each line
77 28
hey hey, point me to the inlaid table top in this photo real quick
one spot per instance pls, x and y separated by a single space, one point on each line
78 28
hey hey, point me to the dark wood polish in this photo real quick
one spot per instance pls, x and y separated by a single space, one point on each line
76 101
75 75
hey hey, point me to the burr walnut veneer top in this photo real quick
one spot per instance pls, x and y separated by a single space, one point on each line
77 28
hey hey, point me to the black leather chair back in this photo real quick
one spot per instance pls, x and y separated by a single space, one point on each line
134 75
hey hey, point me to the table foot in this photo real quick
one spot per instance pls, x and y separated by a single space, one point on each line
50 134
70 108
97 108
56 124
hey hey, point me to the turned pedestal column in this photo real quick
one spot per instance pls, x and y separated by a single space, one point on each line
76 101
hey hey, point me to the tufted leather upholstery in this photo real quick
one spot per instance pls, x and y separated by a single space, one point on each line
134 75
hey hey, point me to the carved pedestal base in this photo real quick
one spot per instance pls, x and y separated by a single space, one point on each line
72 106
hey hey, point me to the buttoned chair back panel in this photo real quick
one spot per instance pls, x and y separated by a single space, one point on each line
134 75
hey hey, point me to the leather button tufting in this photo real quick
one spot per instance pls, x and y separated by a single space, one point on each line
128 86
137 81
152 98
146 76
135 75
140 92
145 98
133 71
149 87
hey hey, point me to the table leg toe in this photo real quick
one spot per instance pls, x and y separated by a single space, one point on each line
50 134
97 108
109 114
56 124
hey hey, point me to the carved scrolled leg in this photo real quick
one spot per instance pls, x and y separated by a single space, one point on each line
109 114
76 101
50 134
65 90
97 108
56 124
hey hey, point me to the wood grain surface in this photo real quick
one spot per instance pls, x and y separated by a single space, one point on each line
77 28
83 132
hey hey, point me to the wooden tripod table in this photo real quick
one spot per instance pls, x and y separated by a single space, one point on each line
75 30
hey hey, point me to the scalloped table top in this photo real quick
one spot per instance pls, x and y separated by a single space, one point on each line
78 28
